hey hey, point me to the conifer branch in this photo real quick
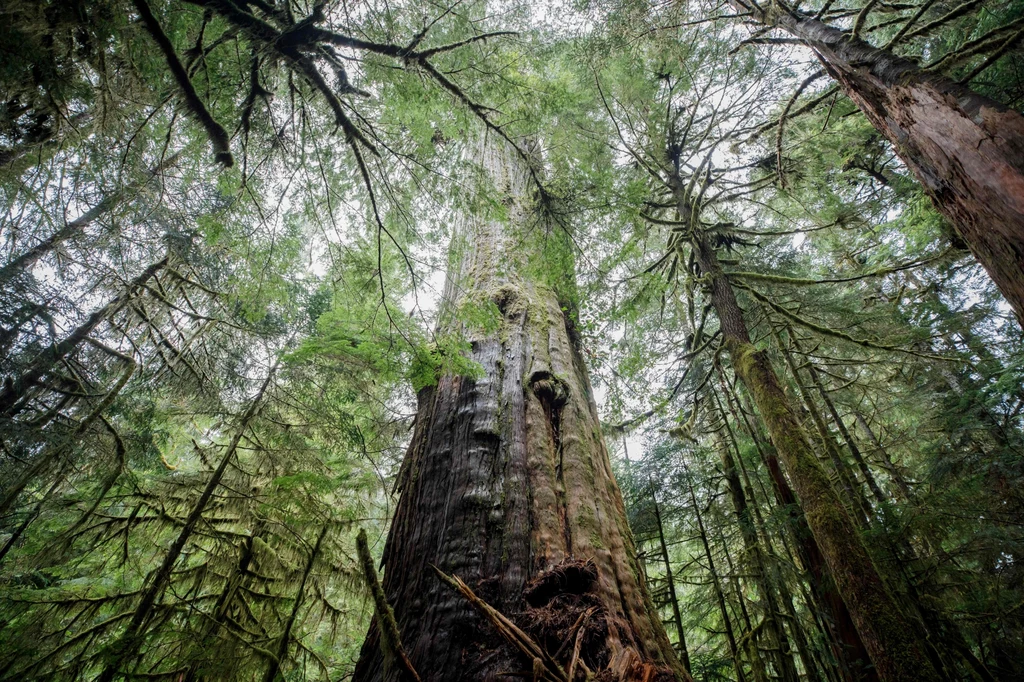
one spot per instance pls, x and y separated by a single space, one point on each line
826 331
215 131
391 640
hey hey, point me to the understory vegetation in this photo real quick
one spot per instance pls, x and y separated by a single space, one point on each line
229 241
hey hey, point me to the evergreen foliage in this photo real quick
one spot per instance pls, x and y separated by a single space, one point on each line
225 230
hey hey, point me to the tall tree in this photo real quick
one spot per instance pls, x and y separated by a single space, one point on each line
507 483
966 149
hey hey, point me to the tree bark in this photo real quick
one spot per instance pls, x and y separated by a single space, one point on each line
677 617
507 482
965 149
885 630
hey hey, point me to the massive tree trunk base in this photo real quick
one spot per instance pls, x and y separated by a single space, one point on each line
507 485
564 615
563 603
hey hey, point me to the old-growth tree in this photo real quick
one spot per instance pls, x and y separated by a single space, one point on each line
507 483
222 225
965 148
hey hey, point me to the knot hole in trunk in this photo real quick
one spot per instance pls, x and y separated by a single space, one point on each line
551 390
572 576
509 300
563 603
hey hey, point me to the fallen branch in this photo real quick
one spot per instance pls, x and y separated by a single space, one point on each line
516 637
389 637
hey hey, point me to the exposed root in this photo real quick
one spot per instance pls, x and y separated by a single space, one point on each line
548 668
565 614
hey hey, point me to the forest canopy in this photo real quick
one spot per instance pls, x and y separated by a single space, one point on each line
456 340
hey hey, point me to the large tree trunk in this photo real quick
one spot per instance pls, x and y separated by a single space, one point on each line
967 150
507 482
885 630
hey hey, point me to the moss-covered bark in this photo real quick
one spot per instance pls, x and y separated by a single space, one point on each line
507 483
850 654
887 633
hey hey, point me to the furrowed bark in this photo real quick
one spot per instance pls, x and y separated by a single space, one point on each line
965 149
507 483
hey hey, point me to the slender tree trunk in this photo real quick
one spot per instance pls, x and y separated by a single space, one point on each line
677 617
802 648
716 583
764 544
847 645
274 669
507 482
28 258
749 634
965 149
884 628
857 505
851 444
895 475
45 460
222 609
752 548
27 521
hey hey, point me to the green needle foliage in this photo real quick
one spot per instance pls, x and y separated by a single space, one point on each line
225 228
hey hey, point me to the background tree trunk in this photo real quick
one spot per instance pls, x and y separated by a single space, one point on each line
886 631
967 150
507 483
